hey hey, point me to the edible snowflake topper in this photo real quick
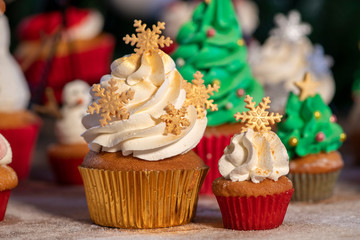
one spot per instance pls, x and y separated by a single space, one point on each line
320 63
198 95
111 104
257 117
147 40
307 87
291 28
175 119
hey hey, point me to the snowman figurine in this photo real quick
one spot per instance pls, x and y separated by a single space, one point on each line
76 99
14 91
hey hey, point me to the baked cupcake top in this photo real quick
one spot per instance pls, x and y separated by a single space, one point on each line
14 91
144 107
256 153
8 178
212 43
76 98
309 126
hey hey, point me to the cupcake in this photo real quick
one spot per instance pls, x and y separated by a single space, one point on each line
19 126
8 178
285 57
311 136
212 43
253 192
140 171
66 155
78 50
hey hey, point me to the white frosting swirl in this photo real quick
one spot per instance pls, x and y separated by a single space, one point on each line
5 151
89 28
281 63
156 83
256 156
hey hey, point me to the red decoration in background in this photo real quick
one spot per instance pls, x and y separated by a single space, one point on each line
211 32
333 118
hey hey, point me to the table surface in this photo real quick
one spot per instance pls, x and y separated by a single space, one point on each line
40 209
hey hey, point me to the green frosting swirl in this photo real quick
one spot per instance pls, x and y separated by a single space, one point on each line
300 122
218 57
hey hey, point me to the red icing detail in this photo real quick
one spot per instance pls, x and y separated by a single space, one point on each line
211 32
320 136
66 170
22 142
4 198
254 213
33 27
210 150
333 118
240 92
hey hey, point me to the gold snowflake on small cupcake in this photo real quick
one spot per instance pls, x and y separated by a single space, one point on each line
175 119
257 118
111 103
198 95
147 40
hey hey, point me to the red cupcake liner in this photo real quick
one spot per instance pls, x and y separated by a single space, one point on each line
210 150
66 170
22 142
4 198
254 213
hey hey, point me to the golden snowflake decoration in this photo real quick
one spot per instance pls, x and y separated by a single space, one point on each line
147 40
175 119
257 118
111 103
198 95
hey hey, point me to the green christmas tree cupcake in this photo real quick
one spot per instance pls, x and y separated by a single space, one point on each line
212 43
311 136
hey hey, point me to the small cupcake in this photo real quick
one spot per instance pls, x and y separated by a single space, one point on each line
8 178
311 136
212 43
141 127
66 155
253 192
19 126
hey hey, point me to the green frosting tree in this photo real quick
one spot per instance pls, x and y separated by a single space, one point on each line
309 126
212 43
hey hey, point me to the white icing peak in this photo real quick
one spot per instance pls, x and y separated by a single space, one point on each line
75 98
254 156
156 83
14 91
5 151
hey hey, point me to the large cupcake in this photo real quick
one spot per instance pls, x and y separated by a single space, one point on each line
52 54
212 43
141 127
19 126
253 192
311 136
66 155
285 57
8 178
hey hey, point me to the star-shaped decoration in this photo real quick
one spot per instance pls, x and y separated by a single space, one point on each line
307 87
198 95
257 118
111 104
291 28
175 119
319 63
147 40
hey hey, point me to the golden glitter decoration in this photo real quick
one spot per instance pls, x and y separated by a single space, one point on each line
111 103
317 114
241 42
257 118
2 7
216 82
175 119
307 87
343 137
198 95
293 141
147 40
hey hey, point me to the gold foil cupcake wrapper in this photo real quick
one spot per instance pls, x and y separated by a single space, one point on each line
313 187
142 199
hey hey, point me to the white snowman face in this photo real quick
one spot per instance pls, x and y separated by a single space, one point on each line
5 151
76 93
